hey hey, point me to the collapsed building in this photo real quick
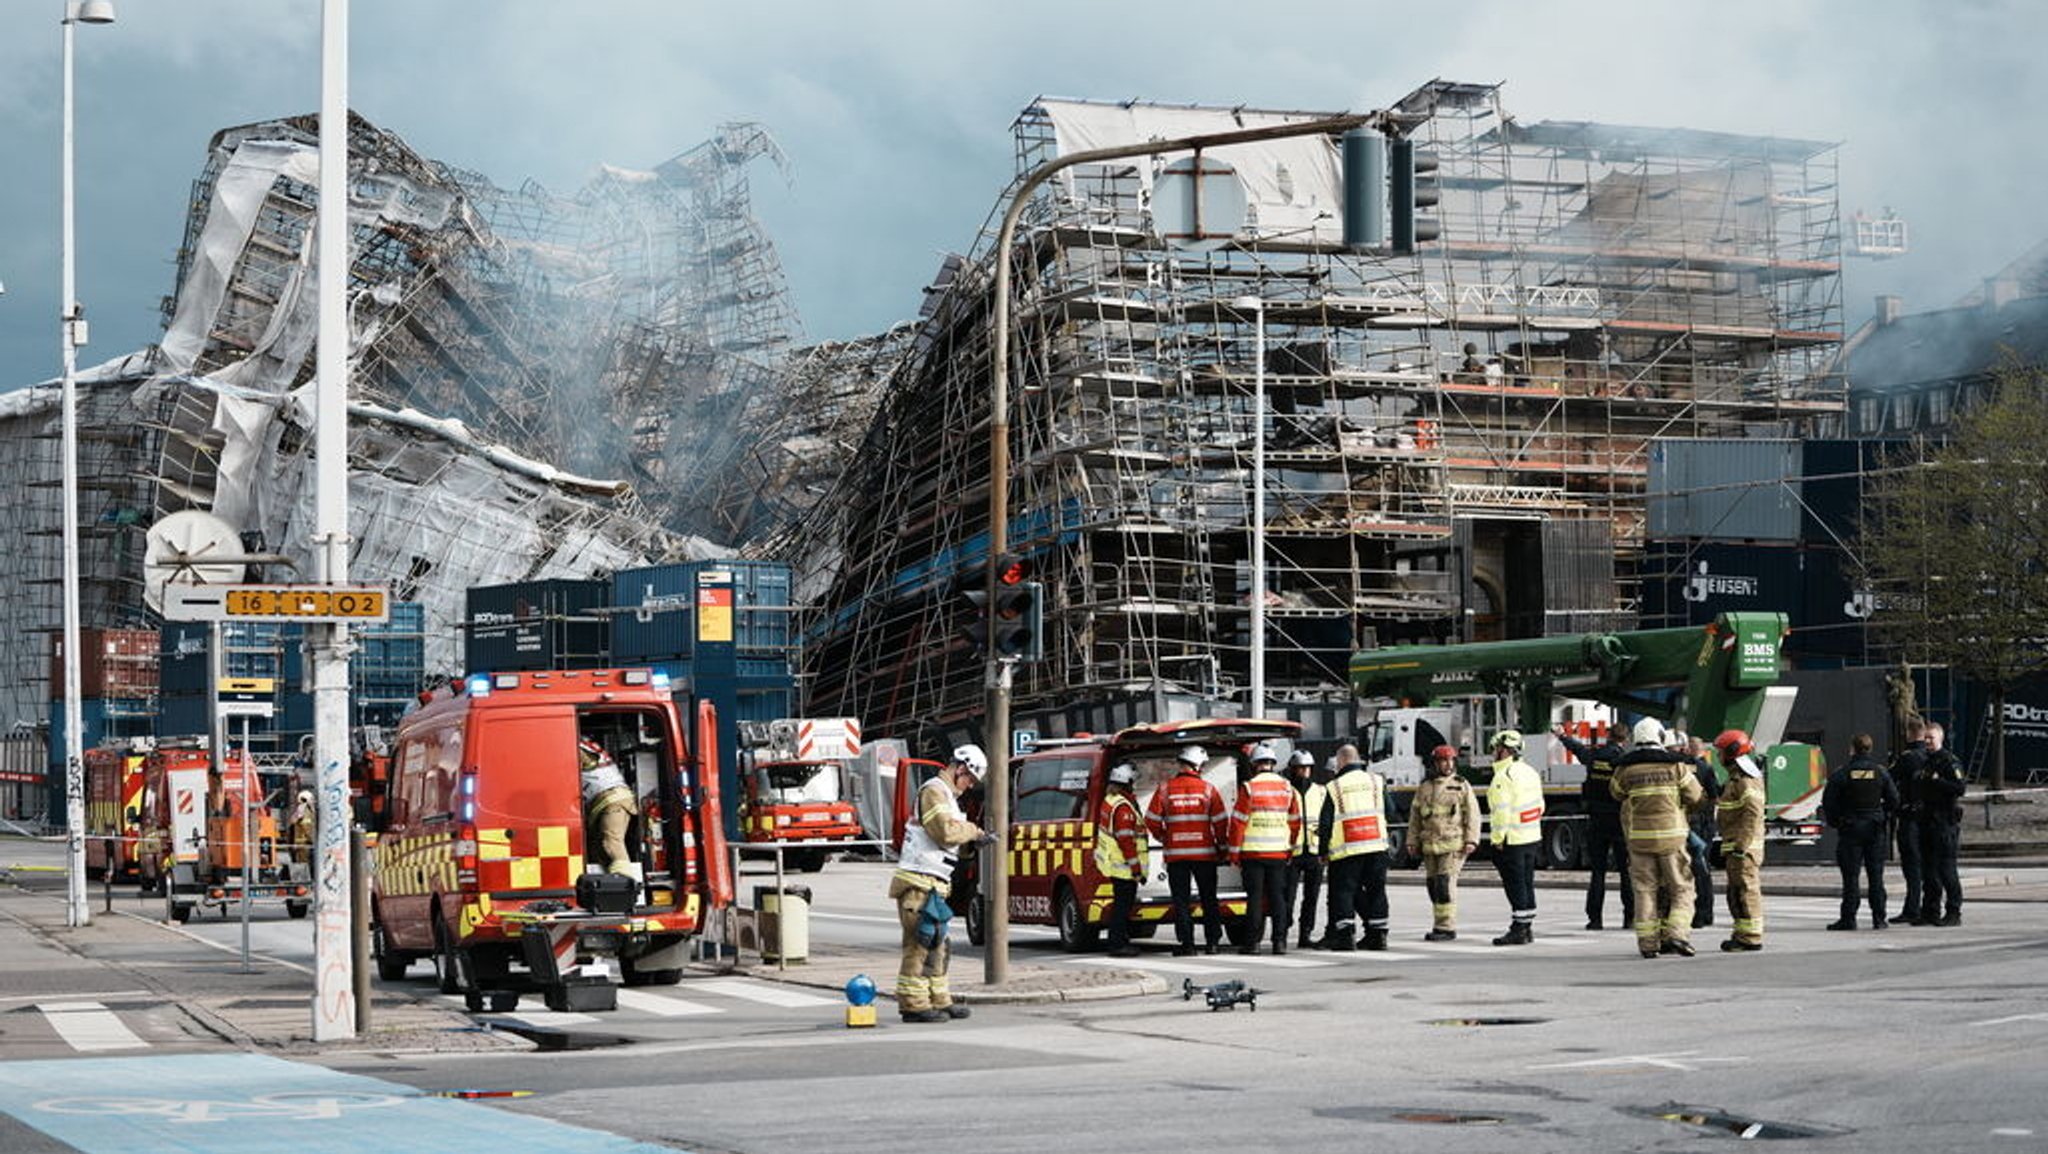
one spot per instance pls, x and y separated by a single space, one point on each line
1458 439
542 386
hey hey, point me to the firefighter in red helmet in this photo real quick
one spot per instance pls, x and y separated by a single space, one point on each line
1740 815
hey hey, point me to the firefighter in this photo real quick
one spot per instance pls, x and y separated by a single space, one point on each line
1656 788
301 825
1354 826
1739 814
1938 789
1855 803
1120 845
1186 817
1605 847
1305 869
1265 825
608 805
931 845
1514 806
1443 830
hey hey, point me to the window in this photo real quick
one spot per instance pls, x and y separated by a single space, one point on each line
1052 789
1427 738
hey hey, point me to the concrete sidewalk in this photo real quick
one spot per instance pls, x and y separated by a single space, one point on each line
270 1006
830 967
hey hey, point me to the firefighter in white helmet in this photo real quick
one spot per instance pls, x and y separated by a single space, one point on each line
931 845
1265 825
1656 788
1514 813
1186 817
607 803
1120 845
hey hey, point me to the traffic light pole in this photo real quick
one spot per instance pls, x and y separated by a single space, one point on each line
996 883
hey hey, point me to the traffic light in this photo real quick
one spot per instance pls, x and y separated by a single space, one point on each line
1411 186
1365 189
1017 616
973 589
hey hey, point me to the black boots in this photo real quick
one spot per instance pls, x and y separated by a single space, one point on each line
1519 934
1440 936
1374 939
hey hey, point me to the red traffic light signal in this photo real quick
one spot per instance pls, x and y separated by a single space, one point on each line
1013 569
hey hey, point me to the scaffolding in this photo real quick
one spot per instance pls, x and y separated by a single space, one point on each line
499 376
1456 439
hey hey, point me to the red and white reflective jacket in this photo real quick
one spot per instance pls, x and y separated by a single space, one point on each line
1266 821
1186 817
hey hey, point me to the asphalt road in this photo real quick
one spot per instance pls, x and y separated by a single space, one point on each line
1910 1039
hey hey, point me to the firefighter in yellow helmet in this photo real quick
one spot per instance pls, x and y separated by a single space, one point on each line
1514 809
1443 830
1656 788
1740 816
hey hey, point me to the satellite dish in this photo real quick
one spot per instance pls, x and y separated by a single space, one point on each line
190 547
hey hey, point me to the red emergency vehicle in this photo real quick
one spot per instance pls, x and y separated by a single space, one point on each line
482 862
203 826
1055 791
113 812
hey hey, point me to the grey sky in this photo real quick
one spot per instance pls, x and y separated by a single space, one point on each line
896 114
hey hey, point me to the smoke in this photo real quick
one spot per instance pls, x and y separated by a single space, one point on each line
896 114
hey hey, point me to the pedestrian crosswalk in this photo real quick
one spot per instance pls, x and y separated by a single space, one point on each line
89 1027
690 998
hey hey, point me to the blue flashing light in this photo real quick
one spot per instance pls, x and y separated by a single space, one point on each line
480 685
860 990
660 680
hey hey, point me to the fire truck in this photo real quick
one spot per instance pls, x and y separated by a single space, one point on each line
482 865
205 824
794 787
1055 791
113 811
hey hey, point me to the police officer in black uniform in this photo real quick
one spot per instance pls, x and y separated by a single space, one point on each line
1855 803
1938 789
1905 831
1605 846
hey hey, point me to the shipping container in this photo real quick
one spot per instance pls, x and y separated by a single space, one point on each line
119 663
1724 490
659 616
527 625
1691 582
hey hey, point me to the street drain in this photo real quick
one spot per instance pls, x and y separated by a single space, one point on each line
1417 1116
1720 1122
1486 1021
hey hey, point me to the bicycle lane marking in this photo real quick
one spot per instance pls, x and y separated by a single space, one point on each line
236 1103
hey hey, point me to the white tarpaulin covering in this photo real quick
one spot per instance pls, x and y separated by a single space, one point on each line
238 197
1290 185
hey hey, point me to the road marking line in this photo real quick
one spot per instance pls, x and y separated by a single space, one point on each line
545 1018
767 993
86 994
89 1027
2012 1018
663 1005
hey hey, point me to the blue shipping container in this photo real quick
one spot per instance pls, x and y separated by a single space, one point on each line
660 622
536 625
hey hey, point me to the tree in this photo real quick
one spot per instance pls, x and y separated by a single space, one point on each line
1957 542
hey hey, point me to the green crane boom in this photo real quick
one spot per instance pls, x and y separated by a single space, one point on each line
1723 669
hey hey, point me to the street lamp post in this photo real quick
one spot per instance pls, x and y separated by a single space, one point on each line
1256 707
996 959
71 325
